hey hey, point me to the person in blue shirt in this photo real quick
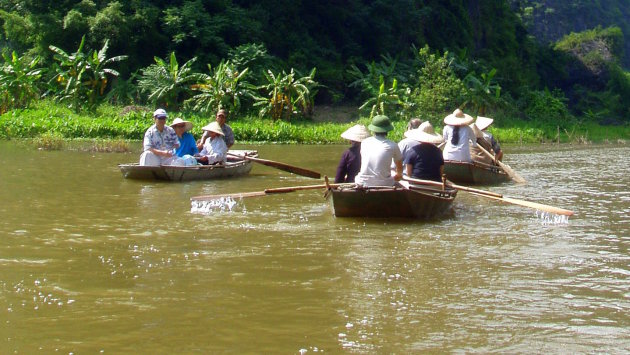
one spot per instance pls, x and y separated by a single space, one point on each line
187 143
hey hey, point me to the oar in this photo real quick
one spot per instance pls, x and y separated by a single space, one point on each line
265 192
495 196
282 166
511 173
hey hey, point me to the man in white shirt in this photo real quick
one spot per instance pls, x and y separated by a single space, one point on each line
377 154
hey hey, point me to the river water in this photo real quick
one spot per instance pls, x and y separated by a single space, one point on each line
91 262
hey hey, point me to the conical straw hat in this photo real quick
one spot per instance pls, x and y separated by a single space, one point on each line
458 118
424 134
483 122
213 127
356 133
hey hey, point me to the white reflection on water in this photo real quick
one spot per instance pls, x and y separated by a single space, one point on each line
552 218
208 206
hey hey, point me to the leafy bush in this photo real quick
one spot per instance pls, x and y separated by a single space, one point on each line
440 90
548 107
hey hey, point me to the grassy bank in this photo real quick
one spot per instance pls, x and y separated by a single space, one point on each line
49 121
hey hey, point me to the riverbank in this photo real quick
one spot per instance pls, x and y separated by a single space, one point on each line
49 121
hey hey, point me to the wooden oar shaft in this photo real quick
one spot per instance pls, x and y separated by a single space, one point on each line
511 173
458 187
265 192
534 205
282 166
497 197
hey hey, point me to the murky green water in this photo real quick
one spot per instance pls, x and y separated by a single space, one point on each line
90 262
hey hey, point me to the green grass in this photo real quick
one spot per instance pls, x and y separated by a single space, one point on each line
111 130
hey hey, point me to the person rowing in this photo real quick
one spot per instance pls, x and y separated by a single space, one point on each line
483 123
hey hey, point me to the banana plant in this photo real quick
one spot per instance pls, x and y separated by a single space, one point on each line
384 100
167 83
483 91
283 95
223 88
82 77
18 81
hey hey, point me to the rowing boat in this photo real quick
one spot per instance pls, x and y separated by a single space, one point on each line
475 173
232 167
420 202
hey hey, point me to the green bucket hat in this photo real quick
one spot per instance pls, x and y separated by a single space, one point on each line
380 124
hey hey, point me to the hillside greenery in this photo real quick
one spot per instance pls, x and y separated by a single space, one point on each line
276 60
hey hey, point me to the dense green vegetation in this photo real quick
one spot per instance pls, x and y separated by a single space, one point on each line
270 62
49 124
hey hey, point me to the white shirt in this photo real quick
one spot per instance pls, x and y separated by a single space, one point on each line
377 154
460 151
215 149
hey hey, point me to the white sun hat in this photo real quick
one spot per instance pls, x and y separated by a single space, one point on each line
188 125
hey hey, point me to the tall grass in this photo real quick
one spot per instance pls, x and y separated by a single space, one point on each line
112 127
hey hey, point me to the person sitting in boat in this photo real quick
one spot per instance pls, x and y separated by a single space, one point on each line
377 153
457 135
214 149
228 134
350 162
475 151
160 142
424 160
407 143
483 123
187 145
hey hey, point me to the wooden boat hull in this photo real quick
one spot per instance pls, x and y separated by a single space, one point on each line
232 168
474 173
384 202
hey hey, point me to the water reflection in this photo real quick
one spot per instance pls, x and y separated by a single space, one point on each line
92 262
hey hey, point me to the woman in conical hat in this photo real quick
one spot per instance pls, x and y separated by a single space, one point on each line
458 135
214 149
424 161
350 162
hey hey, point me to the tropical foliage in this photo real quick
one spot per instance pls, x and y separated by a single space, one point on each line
19 80
285 95
166 83
223 88
81 78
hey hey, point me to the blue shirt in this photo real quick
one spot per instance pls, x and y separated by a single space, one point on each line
187 145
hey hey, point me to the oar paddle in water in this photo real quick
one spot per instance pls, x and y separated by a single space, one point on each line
495 196
265 192
282 166
511 173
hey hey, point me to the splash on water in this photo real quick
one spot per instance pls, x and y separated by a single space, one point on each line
208 206
552 218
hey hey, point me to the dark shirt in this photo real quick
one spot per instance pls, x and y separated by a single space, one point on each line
349 165
426 159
